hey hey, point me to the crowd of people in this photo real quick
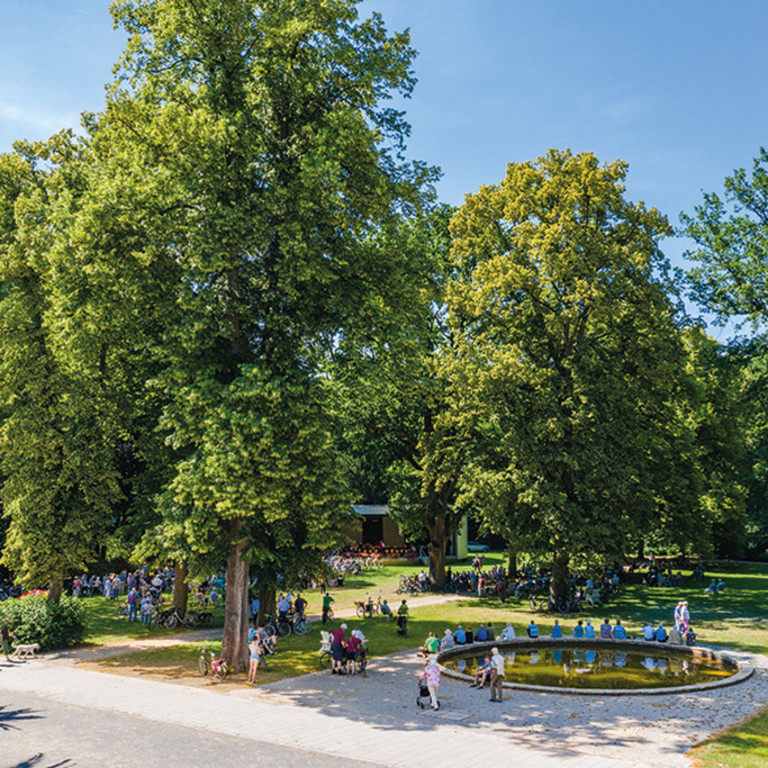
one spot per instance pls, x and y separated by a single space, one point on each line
680 633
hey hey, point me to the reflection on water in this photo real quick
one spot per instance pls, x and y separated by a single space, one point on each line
602 668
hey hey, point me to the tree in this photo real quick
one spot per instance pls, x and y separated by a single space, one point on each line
394 392
567 356
250 141
57 440
731 233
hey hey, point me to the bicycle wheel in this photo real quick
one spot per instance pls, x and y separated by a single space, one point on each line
283 629
172 621
205 618
533 603
203 665
324 659
360 611
302 627
330 614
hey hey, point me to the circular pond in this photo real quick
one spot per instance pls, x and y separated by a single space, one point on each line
584 666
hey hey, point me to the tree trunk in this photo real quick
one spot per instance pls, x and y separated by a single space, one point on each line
234 640
55 588
437 552
512 565
641 549
180 588
558 587
267 601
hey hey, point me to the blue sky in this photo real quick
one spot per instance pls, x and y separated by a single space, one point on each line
676 88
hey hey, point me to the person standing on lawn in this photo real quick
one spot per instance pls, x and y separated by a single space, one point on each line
402 619
327 600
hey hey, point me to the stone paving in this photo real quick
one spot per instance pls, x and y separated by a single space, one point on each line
375 718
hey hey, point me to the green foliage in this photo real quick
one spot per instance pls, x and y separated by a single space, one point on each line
55 447
35 619
567 357
731 232
393 391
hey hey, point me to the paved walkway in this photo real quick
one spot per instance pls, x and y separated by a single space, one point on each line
375 718
410 741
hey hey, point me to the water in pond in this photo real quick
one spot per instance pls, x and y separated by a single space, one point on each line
602 668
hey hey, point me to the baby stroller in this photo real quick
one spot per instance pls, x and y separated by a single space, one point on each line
424 694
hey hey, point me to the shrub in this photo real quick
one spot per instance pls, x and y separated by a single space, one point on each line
33 619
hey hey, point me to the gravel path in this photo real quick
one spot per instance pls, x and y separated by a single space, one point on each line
655 730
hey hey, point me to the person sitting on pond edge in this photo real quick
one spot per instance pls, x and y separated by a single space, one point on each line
533 630
557 630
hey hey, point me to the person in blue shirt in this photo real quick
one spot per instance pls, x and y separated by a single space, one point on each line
481 635
460 636
533 630
661 634
619 631
482 672
578 630
589 630
557 630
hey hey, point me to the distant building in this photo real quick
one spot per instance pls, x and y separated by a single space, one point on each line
373 526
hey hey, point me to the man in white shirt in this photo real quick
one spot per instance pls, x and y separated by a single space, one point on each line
497 675
508 633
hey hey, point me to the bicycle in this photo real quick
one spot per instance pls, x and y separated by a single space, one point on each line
280 627
173 620
368 608
408 586
302 625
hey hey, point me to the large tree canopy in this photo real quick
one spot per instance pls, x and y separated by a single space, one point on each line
730 276
253 139
567 355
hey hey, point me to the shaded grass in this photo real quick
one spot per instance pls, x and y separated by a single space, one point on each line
104 626
743 746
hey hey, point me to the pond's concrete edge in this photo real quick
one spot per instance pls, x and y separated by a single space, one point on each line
744 669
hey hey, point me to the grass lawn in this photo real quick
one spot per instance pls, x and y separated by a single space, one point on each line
744 746
737 619
105 628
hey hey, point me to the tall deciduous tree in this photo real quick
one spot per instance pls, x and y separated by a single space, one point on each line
567 354
261 126
58 438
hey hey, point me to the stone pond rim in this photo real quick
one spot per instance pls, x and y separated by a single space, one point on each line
743 669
